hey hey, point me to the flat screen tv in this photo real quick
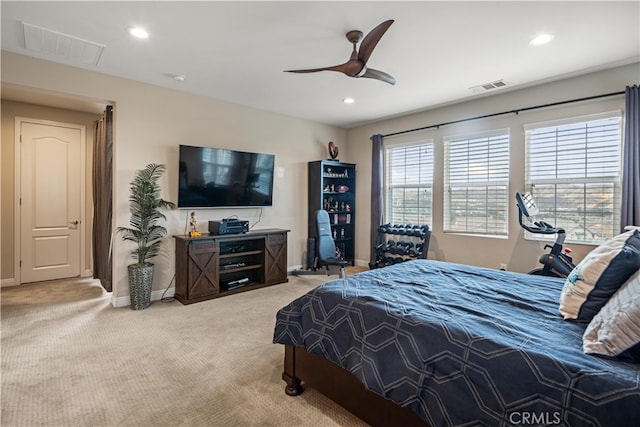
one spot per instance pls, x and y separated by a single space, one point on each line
215 177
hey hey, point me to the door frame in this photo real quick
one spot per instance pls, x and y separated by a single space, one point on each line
17 235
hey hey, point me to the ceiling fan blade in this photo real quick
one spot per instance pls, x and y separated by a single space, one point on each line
340 68
379 75
371 40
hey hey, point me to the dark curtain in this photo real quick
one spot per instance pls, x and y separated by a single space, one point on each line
102 198
631 159
377 202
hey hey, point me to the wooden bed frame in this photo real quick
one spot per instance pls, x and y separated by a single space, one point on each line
342 387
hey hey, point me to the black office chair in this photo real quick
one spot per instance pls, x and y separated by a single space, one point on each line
325 246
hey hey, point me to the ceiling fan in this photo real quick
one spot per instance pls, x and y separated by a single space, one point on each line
356 66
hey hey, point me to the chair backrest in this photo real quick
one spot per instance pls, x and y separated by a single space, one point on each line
326 245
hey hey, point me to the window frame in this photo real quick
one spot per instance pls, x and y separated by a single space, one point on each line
504 136
423 219
611 180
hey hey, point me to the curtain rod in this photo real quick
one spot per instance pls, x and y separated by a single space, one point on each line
516 111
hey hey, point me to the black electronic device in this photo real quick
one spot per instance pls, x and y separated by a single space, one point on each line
228 226
215 177
233 265
234 284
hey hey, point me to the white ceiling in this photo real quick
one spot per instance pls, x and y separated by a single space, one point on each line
237 51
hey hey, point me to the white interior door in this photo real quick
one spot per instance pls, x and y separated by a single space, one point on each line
50 200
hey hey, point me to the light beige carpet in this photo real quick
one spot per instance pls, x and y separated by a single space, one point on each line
70 359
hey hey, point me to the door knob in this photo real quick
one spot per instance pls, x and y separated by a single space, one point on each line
76 222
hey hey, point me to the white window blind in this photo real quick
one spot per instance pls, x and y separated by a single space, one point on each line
573 173
476 181
409 183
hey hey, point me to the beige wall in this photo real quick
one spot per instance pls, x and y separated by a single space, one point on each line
150 123
11 110
519 254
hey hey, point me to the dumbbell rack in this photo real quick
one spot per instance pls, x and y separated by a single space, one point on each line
401 242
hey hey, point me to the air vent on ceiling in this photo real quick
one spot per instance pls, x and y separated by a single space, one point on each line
488 86
61 46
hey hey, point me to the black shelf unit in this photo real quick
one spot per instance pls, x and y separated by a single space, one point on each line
401 242
332 187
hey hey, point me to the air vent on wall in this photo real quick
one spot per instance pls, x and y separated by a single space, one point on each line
61 46
488 86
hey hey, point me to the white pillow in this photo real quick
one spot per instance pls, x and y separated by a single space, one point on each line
599 275
616 327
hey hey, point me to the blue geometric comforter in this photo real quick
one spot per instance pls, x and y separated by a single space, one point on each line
462 345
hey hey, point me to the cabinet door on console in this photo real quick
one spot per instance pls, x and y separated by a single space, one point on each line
203 269
275 255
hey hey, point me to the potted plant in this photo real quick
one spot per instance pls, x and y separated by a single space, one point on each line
145 231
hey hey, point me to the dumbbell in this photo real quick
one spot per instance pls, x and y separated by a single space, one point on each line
385 228
388 261
402 247
391 245
408 247
415 231
414 251
398 248
381 249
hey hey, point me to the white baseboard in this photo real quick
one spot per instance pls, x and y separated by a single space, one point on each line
5 283
155 296
362 263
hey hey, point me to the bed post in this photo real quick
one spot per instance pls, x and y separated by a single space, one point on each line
293 387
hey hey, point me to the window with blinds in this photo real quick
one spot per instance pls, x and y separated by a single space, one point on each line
573 172
476 184
409 183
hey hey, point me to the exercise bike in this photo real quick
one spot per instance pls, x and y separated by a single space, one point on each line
557 262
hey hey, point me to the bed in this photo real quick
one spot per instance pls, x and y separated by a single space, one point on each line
434 343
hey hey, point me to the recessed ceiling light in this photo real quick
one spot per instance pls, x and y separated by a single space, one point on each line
179 77
541 39
348 100
139 32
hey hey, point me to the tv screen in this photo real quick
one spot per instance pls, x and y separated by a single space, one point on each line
215 177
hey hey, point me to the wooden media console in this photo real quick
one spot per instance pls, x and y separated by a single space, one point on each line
218 265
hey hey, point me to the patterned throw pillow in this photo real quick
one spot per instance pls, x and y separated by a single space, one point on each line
616 327
599 275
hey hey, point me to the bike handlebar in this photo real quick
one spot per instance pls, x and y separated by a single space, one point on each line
527 207
538 227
